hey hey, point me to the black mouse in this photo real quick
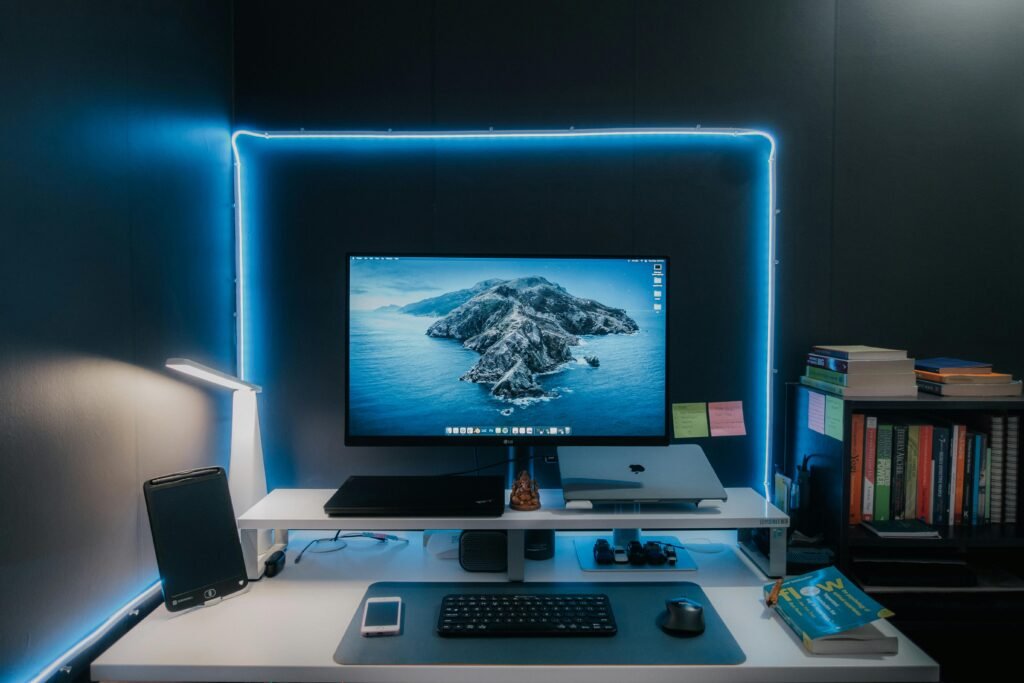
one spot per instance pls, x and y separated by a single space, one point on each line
683 616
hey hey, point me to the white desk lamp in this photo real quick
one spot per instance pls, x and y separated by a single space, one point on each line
247 479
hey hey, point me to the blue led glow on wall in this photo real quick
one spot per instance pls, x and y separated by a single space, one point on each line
764 225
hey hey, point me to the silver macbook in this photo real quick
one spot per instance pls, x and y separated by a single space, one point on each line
625 474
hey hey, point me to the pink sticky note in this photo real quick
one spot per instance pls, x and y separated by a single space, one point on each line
726 418
816 411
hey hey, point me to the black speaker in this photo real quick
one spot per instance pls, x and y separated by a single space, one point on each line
195 537
483 551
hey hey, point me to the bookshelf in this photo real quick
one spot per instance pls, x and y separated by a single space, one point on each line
985 551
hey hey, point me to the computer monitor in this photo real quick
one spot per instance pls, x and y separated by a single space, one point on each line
503 350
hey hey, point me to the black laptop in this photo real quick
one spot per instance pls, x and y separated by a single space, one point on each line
419 497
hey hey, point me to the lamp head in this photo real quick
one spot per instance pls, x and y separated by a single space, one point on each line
211 376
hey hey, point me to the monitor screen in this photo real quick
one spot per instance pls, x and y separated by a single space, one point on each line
507 350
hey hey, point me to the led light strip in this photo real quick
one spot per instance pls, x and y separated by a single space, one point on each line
65 658
526 135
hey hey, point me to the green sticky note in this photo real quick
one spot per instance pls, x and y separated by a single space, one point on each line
834 417
690 420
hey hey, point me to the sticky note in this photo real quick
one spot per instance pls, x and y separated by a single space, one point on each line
690 420
816 412
834 417
727 418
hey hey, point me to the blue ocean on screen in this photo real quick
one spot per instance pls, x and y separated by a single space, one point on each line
412 372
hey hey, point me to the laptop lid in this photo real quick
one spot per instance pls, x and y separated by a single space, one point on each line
424 496
679 473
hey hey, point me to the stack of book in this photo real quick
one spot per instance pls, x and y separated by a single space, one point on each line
856 371
956 377
943 473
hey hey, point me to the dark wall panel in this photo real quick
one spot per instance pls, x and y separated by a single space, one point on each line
897 125
116 252
534 64
314 65
308 203
928 212
530 65
764 65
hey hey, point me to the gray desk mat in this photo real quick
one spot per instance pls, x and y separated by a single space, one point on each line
636 606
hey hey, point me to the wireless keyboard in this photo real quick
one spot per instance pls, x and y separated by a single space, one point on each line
519 614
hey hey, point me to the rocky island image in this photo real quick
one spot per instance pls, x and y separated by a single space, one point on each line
522 328
436 344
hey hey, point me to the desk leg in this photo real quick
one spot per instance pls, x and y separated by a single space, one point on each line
774 564
256 548
516 554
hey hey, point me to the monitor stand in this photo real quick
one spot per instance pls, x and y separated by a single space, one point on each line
539 543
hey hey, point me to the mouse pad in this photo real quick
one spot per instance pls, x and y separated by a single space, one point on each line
636 607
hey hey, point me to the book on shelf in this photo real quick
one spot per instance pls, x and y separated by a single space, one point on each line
899 470
986 378
856 468
901 528
956 366
997 471
957 377
992 390
967 484
903 380
868 486
830 614
852 392
942 472
860 367
940 477
1011 471
924 472
860 352
883 472
910 472
958 471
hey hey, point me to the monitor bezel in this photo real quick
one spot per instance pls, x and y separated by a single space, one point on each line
519 440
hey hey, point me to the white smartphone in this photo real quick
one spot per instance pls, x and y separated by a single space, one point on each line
382 617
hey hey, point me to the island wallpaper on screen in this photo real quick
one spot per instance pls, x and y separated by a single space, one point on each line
459 346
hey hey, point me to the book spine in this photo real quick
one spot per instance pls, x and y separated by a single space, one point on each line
924 473
856 467
997 483
985 489
940 493
824 386
929 387
870 444
959 443
883 472
967 485
828 376
1012 474
931 482
910 475
827 363
899 471
830 353
976 490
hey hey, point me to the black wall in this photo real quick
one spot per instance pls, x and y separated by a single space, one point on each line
116 252
899 128
702 202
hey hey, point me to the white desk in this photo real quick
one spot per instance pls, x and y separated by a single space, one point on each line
287 628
